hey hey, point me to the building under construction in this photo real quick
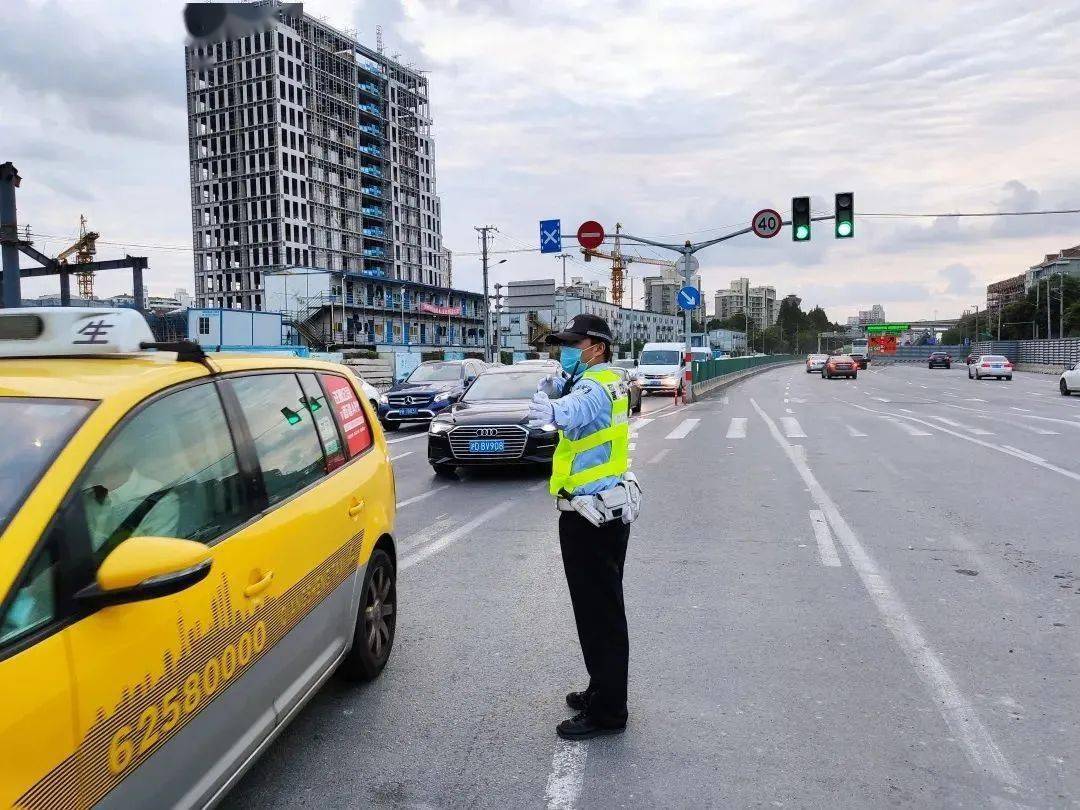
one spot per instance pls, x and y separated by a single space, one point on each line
308 150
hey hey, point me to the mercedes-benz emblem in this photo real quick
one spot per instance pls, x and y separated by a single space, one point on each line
487 432
408 400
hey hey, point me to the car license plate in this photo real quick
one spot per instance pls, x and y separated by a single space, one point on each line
408 411
487 445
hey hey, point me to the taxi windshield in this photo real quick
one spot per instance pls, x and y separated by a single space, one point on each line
659 357
505 385
435 372
35 430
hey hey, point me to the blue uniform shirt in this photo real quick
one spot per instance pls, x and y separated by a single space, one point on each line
585 409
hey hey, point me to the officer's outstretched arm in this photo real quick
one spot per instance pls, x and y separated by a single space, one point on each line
582 406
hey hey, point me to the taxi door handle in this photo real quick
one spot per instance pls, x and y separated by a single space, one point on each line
356 509
255 588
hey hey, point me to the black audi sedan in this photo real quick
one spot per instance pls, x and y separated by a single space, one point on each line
487 426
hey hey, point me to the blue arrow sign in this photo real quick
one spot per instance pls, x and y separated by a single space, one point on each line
550 235
689 298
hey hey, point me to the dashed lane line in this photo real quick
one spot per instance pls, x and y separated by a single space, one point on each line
684 429
421 496
401 455
956 708
910 430
737 428
854 433
448 539
660 456
407 438
567 775
974 430
825 544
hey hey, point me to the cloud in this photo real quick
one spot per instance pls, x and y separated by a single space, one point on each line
959 280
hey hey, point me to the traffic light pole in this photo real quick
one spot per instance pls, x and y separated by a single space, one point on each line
688 249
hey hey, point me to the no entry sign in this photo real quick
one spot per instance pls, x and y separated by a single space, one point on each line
590 235
766 223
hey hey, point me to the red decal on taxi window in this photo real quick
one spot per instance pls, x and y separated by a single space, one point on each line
350 414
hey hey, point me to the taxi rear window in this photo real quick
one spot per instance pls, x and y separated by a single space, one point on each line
35 431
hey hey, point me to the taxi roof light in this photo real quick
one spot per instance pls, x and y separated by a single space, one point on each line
82 332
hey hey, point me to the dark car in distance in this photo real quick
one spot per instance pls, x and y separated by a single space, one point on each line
430 389
488 426
940 360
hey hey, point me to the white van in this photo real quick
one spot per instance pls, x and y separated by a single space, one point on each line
660 367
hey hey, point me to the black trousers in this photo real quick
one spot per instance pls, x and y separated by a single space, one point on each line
593 559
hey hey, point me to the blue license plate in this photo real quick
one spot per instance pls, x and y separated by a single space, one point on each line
408 411
487 446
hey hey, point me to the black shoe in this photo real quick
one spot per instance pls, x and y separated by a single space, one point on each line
584 726
578 701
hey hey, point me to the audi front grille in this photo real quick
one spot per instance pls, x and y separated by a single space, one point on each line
514 437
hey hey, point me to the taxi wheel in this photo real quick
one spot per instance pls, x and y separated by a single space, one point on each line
373 637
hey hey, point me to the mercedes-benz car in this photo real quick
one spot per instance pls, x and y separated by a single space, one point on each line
430 389
488 425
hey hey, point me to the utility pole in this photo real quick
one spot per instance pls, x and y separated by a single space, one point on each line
1061 305
562 313
483 230
9 236
1049 302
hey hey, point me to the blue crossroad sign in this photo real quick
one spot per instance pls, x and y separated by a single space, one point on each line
689 298
550 235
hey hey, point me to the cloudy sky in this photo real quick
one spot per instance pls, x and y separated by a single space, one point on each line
678 119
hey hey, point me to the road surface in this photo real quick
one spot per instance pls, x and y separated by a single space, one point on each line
840 594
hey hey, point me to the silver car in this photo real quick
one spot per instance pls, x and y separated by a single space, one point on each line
990 365
815 363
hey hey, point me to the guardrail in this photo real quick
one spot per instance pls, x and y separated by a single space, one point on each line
705 370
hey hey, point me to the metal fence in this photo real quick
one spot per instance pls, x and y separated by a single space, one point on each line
1056 352
705 370
920 354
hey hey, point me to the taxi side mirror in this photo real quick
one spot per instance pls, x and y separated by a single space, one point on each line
147 568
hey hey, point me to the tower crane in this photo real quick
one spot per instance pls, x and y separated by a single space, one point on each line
618 264
82 252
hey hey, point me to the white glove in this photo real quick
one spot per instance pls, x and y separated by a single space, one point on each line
541 411
552 385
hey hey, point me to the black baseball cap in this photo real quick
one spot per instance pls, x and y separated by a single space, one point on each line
582 326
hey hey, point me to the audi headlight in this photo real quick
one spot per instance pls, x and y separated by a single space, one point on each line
437 426
549 428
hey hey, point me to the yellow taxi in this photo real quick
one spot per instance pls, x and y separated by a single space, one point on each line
189 546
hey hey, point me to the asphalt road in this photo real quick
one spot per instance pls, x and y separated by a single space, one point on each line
840 594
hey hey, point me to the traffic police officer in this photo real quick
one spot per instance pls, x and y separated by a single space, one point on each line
597 499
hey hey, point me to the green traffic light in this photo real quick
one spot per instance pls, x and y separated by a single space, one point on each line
843 228
291 416
802 233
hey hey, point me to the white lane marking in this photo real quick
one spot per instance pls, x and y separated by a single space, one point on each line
825 545
632 446
881 399
567 775
1024 454
910 430
1036 393
640 422
724 400
1025 410
401 455
798 401
421 496
905 410
1033 429
857 434
450 538
956 709
407 438
792 428
682 430
973 399
788 410
737 428
922 386
660 456
969 429
1075 476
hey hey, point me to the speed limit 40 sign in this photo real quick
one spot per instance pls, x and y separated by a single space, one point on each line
766 223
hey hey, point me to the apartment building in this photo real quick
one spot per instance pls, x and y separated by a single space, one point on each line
758 302
308 149
661 291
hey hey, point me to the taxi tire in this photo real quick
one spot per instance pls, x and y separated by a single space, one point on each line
361 663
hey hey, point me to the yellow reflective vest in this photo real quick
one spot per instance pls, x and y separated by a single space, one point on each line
563 477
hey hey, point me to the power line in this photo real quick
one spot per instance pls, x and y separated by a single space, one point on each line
979 214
